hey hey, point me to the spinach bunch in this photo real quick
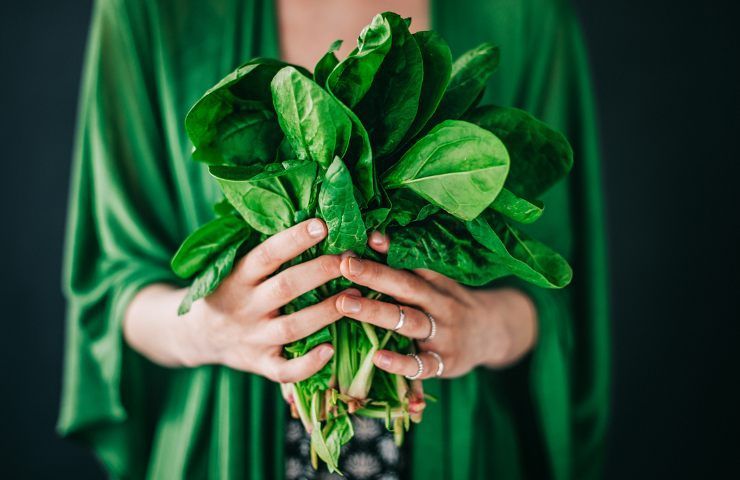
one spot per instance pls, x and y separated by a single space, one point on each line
390 138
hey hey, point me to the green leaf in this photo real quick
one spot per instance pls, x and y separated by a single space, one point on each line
268 198
517 208
242 138
523 256
390 105
201 246
457 166
247 87
210 278
540 156
437 66
470 73
301 347
441 243
352 77
340 211
313 121
359 158
407 207
326 64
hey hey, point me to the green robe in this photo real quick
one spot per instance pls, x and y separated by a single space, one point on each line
136 194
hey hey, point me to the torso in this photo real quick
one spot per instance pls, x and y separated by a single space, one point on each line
308 27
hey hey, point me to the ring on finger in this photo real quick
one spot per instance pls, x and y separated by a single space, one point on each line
420 365
440 363
401 319
432 328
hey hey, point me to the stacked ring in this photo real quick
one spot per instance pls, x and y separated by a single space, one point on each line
440 363
420 371
401 319
432 330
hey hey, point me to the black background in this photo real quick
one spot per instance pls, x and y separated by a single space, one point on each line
668 91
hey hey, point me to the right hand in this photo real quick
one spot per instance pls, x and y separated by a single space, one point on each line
240 325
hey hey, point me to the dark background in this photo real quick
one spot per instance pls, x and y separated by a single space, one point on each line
668 92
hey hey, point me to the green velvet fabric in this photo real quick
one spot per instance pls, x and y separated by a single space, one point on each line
135 195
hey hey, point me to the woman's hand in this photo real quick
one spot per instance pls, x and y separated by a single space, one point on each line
239 325
473 327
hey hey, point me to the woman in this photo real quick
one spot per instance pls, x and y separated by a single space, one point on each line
524 386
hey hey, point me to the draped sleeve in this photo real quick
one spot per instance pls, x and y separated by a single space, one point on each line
121 231
546 416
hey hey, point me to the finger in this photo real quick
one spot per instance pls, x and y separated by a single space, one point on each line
298 325
385 315
268 256
404 286
295 281
406 365
283 370
379 242
440 281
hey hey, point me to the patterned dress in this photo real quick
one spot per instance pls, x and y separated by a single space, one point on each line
371 455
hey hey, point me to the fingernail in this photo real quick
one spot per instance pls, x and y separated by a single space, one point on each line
326 352
350 304
383 360
347 254
377 238
316 228
355 266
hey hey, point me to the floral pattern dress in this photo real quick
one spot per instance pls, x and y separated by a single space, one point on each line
371 455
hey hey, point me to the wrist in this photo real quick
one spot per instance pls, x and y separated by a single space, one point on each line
190 338
510 326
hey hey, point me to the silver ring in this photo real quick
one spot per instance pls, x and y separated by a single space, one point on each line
433 330
401 319
440 363
420 371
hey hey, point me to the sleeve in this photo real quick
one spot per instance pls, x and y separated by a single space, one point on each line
121 230
570 370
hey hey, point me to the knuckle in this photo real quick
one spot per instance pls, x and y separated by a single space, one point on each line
286 330
278 374
262 255
407 285
299 235
283 287
329 265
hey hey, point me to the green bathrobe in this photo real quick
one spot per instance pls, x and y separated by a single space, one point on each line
136 194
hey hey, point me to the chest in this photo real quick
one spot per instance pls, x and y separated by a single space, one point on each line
307 27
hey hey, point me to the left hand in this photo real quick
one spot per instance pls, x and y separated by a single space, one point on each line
493 328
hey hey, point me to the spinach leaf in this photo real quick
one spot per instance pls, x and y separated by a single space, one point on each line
246 88
223 208
437 66
205 243
242 138
517 208
441 243
407 207
268 198
210 278
326 64
470 73
359 158
524 257
389 107
301 347
340 211
351 78
540 156
313 121
457 166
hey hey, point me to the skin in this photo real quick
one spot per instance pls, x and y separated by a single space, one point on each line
240 324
